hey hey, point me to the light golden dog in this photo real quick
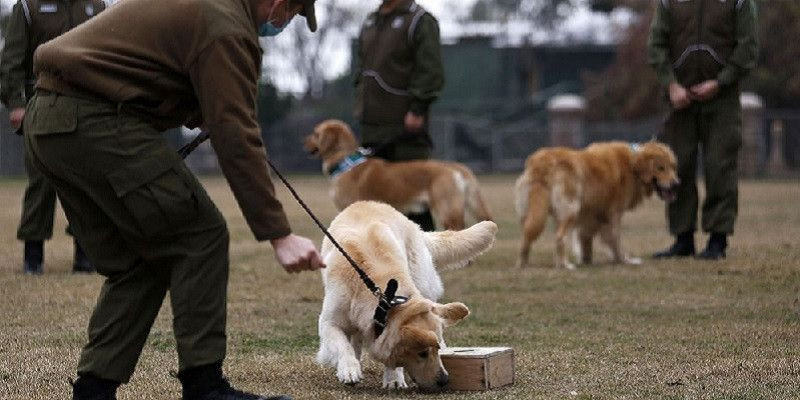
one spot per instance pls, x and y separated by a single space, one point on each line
447 188
387 245
587 191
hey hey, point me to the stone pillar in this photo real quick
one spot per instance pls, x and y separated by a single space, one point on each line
752 151
566 114
776 166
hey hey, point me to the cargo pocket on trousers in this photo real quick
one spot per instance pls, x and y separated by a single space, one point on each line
51 114
157 194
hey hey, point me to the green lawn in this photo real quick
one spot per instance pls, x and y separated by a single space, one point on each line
668 329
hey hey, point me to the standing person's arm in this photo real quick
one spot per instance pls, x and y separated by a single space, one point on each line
225 76
13 74
427 77
745 52
659 58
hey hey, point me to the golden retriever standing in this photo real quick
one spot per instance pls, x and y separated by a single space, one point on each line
586 191
449 189
387 245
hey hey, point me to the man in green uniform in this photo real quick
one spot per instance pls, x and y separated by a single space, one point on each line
399 75
701 49
104 92
31 23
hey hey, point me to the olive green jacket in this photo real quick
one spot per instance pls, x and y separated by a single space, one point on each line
173 63
694 40
31 23
399 65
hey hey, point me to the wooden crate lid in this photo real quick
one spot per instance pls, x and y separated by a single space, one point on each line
473 352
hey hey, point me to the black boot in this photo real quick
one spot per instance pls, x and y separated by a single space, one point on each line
207 383
683 247
81 264
88 387
33 258
424 220
715 249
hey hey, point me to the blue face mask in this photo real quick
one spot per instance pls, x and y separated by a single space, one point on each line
268 29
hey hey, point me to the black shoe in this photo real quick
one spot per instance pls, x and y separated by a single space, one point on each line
33 257
224 391
88 387
207 383
715 250
81 264
683 247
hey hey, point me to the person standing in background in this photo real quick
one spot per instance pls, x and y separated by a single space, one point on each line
399 74
31 23
701 50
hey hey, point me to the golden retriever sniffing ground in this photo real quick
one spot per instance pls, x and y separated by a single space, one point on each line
387 245
449 189
586 191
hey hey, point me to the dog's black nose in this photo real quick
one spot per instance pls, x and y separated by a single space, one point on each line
442 379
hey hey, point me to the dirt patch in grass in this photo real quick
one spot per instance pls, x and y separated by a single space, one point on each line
667 329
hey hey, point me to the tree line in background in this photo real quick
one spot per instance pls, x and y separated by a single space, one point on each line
626 90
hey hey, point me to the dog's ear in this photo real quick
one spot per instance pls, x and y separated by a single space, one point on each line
415 338
643 166
451 313
325 139
459 247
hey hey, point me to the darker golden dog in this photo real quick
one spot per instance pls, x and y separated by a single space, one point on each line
448 189
587 191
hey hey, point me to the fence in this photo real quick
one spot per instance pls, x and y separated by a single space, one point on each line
771 145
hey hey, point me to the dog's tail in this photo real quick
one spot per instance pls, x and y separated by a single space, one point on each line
473 198
531 192
532 200
457 248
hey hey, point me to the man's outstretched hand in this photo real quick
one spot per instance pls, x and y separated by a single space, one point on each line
297 253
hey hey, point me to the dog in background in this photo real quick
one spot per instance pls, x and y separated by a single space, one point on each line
587 191
448 189
387 245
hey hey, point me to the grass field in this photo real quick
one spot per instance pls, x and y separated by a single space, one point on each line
668 329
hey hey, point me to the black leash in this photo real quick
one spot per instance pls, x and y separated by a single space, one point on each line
188 148
386 300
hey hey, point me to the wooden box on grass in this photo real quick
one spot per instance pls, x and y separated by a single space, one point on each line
478 368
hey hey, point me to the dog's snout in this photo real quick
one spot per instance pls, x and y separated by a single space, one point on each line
442 379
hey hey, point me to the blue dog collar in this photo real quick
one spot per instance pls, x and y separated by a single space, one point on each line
348 163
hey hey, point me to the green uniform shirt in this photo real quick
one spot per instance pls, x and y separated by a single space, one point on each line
31 23
140 55
670 46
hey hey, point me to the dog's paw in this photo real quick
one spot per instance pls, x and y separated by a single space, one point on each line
633 261
567 265
349 371
393 378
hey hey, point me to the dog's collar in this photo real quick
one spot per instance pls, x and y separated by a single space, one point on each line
349 162
386 302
